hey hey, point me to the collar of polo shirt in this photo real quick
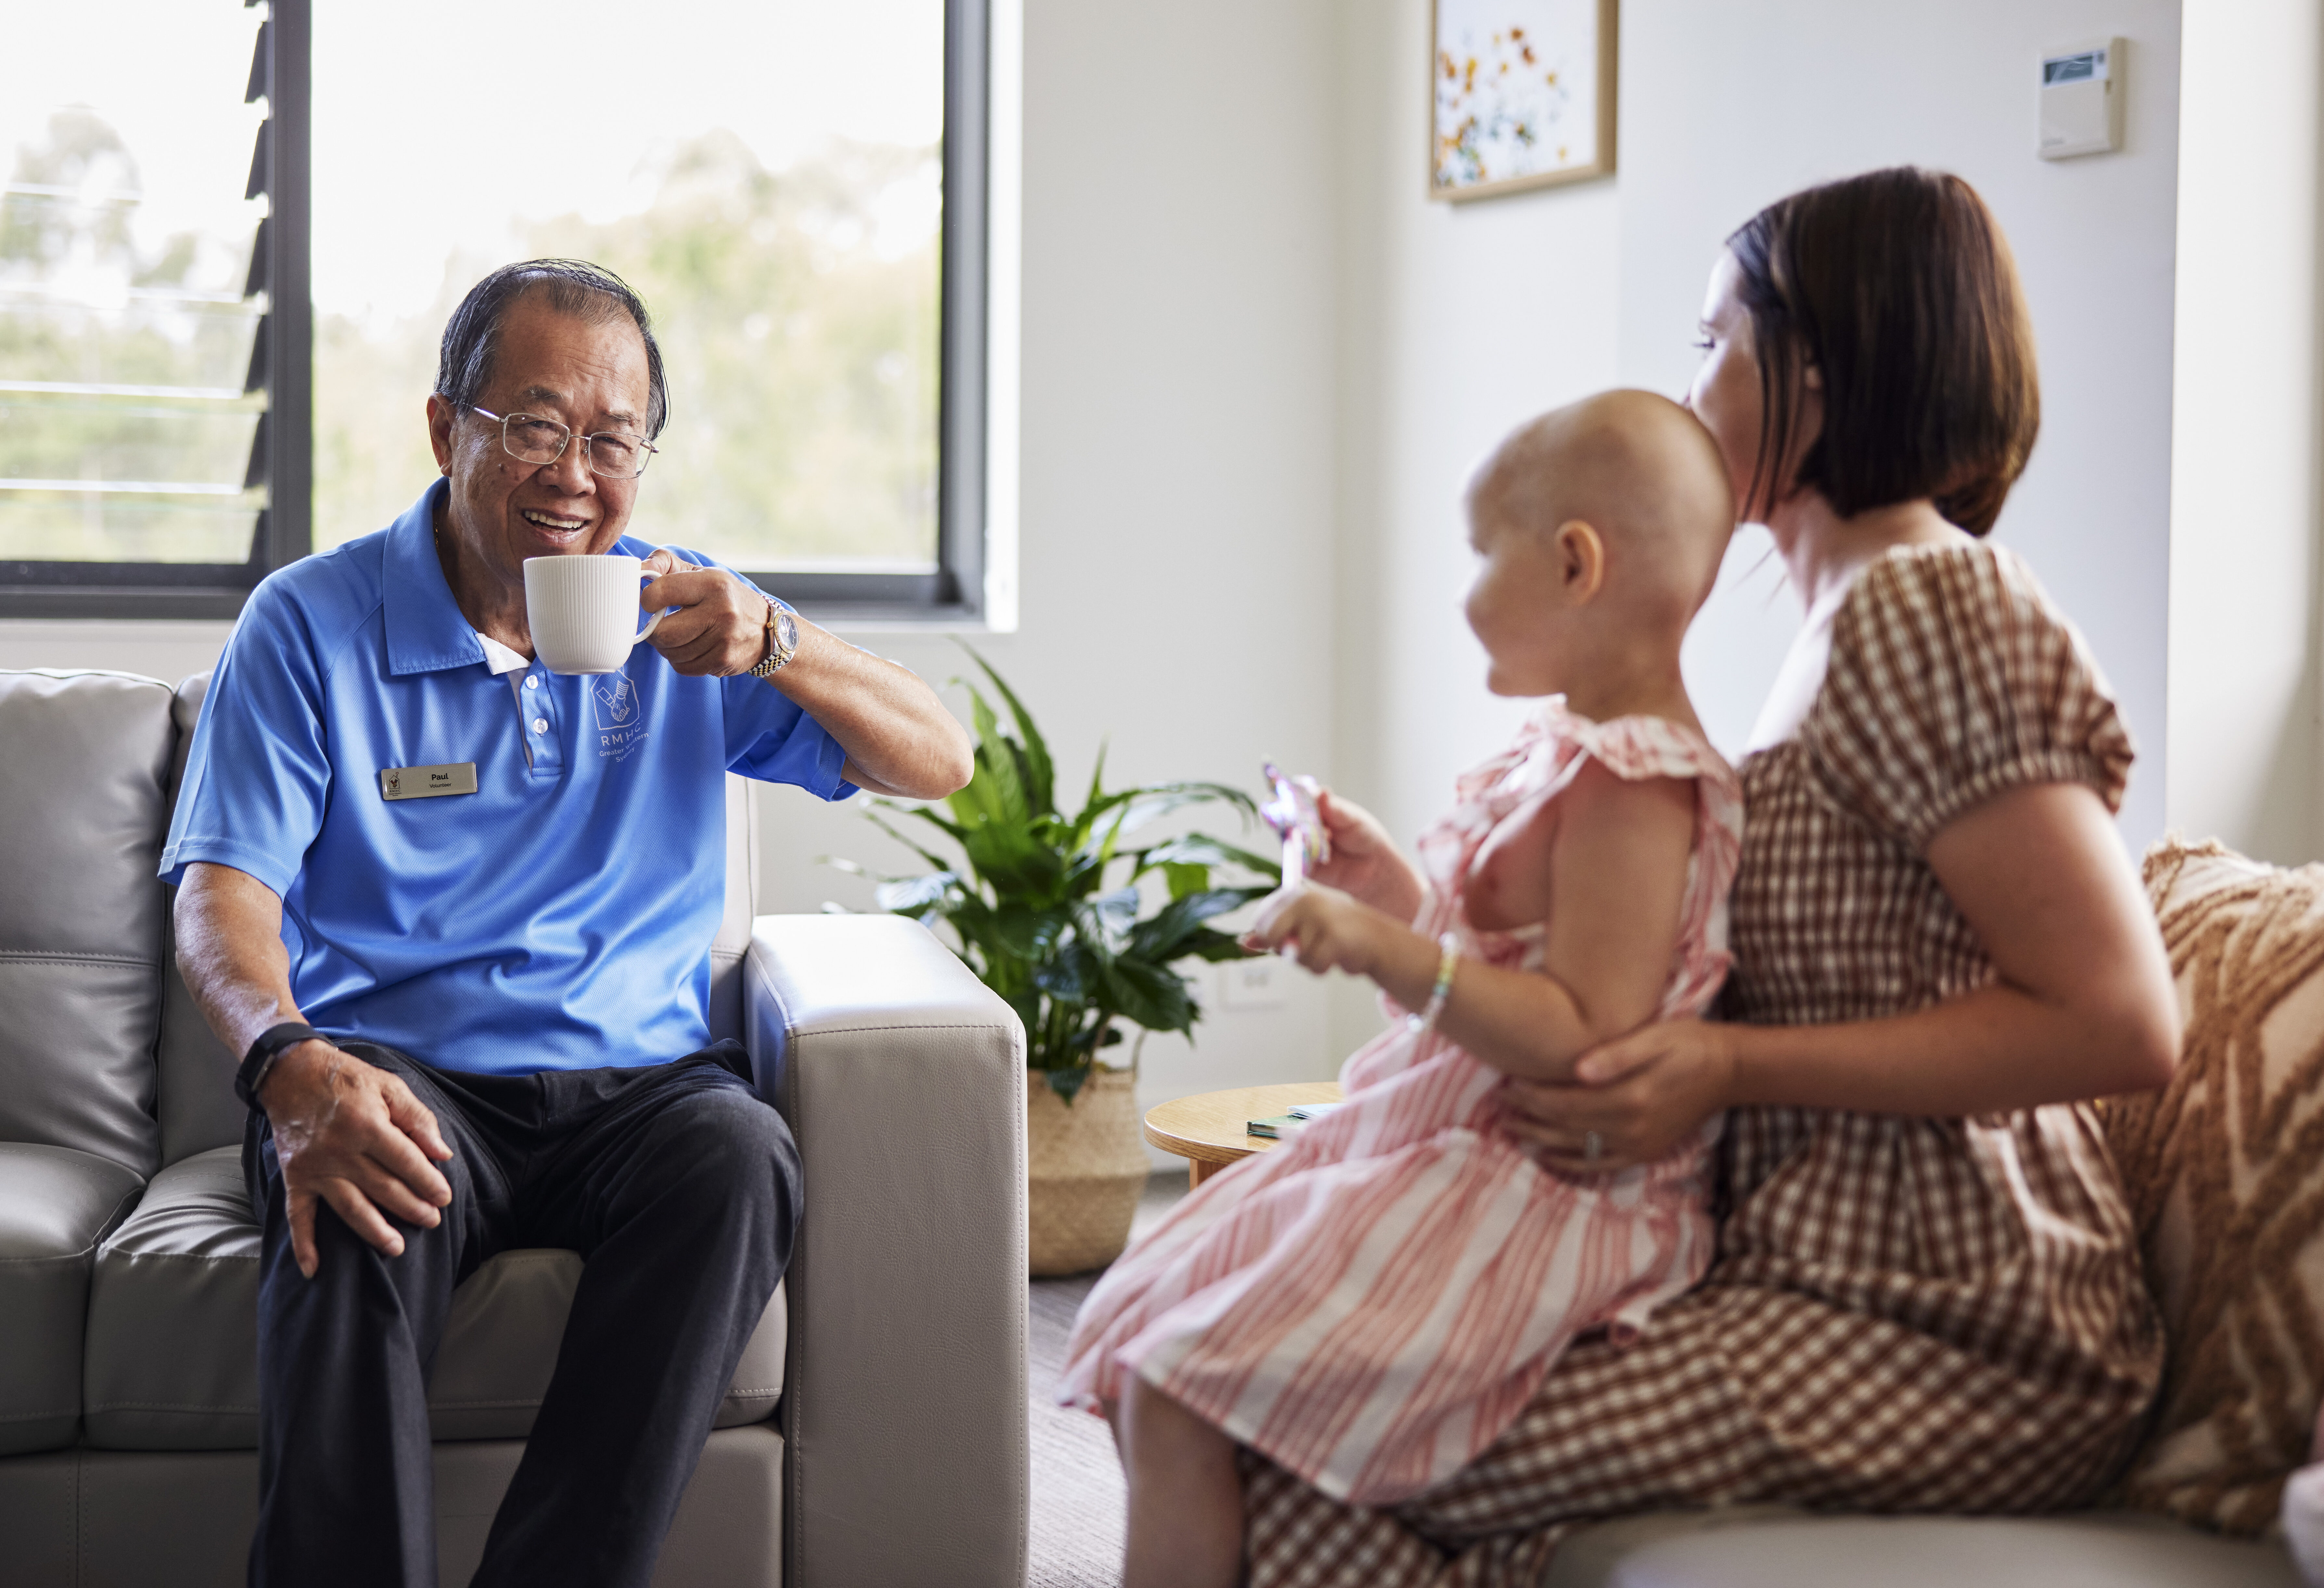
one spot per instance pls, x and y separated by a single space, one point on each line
499 657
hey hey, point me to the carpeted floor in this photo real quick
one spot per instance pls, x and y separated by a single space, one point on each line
1077 1495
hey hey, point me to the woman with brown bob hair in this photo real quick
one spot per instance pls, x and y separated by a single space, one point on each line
1927 1294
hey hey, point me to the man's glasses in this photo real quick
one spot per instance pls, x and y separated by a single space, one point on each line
617 455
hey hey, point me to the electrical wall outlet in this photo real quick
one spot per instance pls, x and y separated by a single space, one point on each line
1252 983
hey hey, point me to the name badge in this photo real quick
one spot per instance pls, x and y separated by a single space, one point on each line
425 782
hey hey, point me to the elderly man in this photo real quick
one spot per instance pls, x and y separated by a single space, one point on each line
477 1019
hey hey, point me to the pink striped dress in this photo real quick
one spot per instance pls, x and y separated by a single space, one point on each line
1373 1302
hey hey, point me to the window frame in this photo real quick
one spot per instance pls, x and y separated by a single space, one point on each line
282 266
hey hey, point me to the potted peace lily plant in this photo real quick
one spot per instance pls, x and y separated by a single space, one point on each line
1046 908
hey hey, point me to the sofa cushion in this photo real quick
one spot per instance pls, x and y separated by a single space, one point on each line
194 1072
173 1329
2225 1170
173 1316
55 1206
82 807
1775 1546
500 1346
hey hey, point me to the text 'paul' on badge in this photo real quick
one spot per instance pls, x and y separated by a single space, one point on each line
426 783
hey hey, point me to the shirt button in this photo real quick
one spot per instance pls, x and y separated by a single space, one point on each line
540 725
532 681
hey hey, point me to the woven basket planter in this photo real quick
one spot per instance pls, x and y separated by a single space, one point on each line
1086 1166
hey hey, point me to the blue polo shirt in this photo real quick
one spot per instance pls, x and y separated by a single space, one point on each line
559 918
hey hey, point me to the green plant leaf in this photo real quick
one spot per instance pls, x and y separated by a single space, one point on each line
1185 878
1202 849
1022 765
997 765
1149 994
1208 943
1067 1083
1162 937
911 895
1026 933
985 944
1116 913
1040 782
1156 800
952 830
1028 903
1085 821
1071 976
977 803
1028 1005
1013 861
1142 806
1090 865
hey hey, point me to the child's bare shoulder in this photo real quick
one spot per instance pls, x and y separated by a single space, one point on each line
1513 881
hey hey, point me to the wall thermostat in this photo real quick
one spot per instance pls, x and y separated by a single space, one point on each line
2081 99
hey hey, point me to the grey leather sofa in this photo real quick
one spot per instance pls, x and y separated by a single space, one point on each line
875 1433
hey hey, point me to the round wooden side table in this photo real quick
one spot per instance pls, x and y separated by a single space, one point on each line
1207 1129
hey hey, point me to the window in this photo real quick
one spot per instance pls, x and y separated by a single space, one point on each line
797 190
153 325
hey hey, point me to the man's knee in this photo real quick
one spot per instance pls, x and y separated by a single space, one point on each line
738 1152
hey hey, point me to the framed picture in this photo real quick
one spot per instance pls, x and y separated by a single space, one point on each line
1521 95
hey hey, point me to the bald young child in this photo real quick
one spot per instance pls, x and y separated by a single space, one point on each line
1371 1303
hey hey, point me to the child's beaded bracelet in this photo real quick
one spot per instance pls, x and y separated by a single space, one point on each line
1448 959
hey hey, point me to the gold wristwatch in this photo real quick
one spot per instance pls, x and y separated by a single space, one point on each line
782 639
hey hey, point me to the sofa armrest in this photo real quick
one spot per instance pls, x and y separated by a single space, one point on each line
903 1079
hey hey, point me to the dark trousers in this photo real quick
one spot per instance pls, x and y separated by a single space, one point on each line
680 1189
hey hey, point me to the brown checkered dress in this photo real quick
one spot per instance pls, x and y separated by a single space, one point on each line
1906 1314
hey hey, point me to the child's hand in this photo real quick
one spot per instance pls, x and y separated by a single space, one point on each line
1365 861
1321 927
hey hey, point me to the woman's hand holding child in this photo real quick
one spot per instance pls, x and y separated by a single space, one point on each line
1642 1093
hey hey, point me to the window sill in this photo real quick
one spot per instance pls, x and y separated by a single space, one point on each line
133 603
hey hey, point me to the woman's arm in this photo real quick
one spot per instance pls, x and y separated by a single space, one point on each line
1616 877
2082 1007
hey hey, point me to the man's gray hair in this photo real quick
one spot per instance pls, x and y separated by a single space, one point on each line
570 286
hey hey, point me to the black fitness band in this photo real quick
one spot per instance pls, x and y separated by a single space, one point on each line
259 1062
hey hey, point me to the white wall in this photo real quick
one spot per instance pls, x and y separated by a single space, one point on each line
169 651
1473 317
2243 688
1822 88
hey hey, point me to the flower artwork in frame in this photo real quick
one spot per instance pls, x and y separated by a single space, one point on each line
1521 95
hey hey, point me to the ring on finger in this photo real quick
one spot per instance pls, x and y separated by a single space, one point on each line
1593 1147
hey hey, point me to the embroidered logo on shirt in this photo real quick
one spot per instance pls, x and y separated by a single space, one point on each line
620 716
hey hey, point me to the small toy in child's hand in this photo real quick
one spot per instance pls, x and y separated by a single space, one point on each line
1298 821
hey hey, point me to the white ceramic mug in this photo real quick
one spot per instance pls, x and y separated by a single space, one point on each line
583 610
